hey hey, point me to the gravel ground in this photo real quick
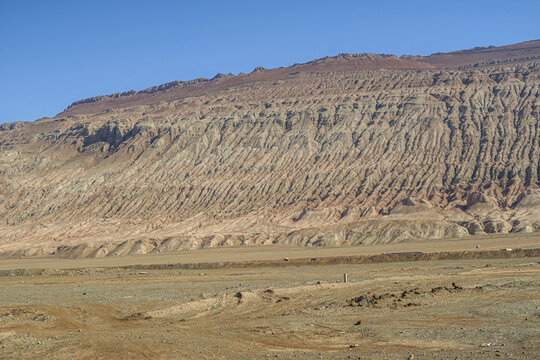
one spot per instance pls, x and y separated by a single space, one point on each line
424 309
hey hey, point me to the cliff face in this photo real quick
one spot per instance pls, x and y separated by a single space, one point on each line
332 153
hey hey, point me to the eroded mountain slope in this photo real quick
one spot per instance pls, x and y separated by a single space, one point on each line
322 158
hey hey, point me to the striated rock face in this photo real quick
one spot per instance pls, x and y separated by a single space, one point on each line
338 155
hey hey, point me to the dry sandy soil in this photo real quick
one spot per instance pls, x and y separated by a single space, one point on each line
302 310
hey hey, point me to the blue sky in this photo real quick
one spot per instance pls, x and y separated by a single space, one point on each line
55 52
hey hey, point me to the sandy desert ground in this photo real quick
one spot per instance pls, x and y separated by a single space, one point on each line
439 309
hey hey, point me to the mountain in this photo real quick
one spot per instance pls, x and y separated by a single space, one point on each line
351 149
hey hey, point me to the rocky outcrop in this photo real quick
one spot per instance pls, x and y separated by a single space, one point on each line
354 156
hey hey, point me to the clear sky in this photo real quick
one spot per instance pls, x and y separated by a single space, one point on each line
55 52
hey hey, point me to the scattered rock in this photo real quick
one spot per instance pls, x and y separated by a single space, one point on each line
489 344
371 300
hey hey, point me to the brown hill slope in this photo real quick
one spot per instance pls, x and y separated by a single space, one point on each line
335 154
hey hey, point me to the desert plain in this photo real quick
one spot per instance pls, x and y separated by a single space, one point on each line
461 299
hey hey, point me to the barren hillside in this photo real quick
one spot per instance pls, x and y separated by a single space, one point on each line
357 148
